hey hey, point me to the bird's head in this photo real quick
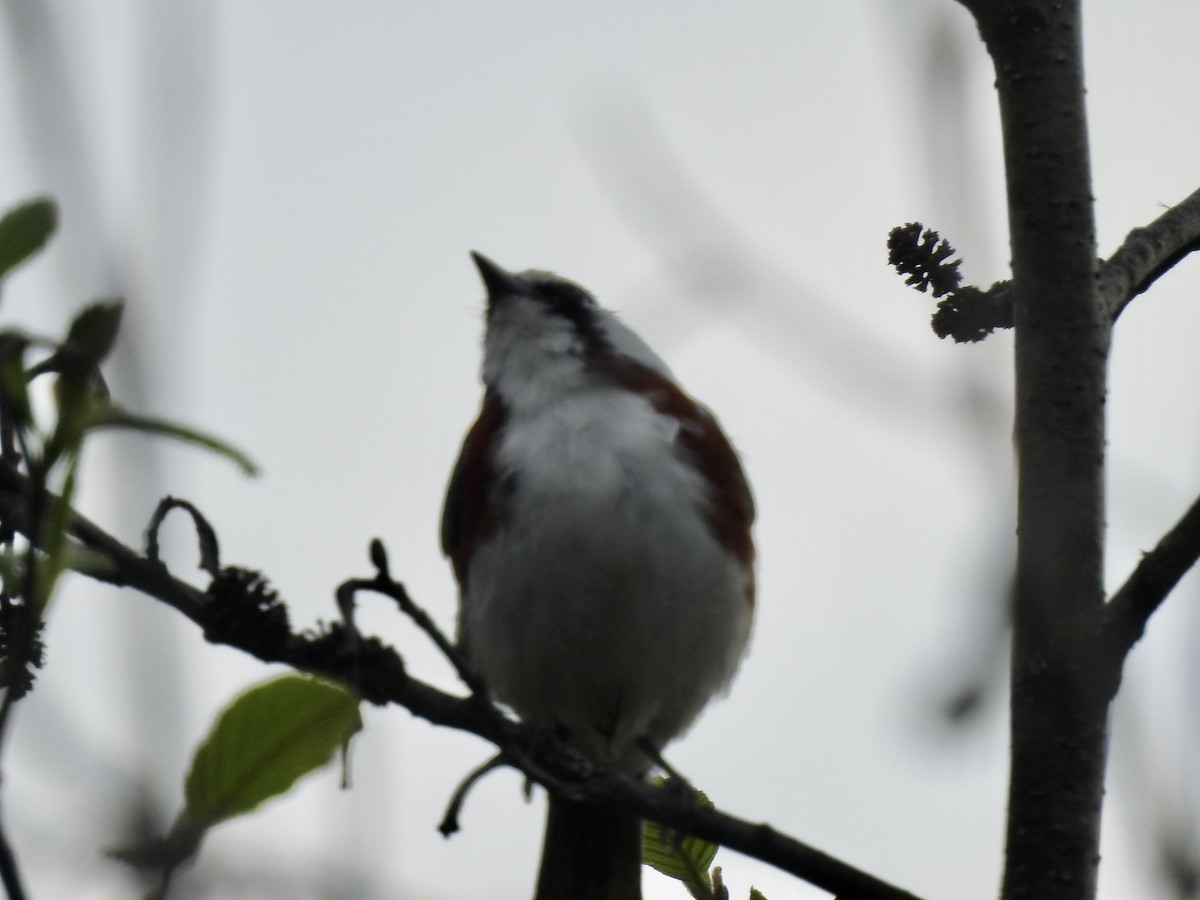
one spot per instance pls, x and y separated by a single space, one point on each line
547 334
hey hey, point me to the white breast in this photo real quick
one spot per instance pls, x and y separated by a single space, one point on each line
605 604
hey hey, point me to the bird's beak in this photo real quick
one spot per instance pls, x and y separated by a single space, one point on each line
499 282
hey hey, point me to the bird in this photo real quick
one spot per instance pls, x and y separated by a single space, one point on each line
598 522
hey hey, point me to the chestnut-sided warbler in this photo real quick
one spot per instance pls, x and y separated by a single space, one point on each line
599 526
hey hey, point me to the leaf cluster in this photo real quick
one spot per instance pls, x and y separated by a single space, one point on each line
271 735
47 444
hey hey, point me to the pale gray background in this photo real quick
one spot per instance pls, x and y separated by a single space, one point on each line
286 192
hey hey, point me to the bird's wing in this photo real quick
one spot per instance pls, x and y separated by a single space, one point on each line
469 513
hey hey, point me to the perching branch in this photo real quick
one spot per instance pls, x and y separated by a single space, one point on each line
238 610
1155 576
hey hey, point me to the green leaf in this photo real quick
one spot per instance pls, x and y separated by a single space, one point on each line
55 542
264 741
24 230
76 401
94 331
682 857
12 570
756 894
109 415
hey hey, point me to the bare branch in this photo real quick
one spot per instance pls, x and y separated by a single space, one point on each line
1149 252
449 824
1126 614
210 555
10 873
384 584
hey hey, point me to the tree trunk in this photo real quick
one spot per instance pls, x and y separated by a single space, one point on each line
1060 686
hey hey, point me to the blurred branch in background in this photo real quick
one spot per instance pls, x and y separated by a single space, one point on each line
941 94
1160 780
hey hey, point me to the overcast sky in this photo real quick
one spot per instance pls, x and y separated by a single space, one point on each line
287 193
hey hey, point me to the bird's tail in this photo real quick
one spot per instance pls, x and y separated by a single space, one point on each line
590 853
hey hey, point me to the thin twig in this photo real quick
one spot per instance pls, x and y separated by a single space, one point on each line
10 873
383 583
423 621
1130 609
129 569
206 537
449 823
1149 252
20 650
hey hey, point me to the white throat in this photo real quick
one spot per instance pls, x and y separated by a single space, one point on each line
533 357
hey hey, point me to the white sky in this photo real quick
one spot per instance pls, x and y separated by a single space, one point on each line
287 192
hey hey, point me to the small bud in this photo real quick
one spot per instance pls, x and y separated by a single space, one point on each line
379 557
